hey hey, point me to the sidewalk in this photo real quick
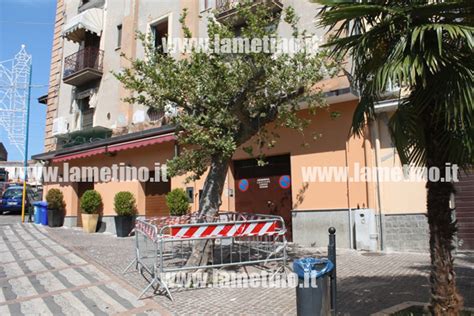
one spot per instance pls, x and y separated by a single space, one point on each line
38 276
367 282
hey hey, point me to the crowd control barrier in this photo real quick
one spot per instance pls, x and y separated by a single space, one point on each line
164 245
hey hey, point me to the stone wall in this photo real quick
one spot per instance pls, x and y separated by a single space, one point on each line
406 232
105 224
310 228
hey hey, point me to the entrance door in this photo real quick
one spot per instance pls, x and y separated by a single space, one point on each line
155 198
264 189
464 200
81 188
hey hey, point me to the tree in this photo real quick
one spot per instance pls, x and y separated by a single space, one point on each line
222 99
426 48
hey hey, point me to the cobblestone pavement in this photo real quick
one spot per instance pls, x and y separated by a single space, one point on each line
367 282
38 276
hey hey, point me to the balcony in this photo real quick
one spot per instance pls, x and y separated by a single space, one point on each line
226 9
83 66
83 136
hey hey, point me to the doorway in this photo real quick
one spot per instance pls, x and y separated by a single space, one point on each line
155 197
265 189
464 201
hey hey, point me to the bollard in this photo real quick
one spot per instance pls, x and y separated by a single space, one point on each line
332 257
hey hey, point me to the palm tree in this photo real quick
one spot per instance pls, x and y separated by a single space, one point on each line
426 47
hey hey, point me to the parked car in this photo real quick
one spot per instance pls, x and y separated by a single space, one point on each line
12 198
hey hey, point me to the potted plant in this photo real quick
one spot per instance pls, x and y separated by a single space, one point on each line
91 201
124 204
178 202
56 206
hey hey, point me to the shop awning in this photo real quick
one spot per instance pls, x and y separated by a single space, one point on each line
90 20
116 147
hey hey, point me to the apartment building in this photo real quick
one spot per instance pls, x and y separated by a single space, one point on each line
89 124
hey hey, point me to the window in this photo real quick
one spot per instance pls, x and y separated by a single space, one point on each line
87 113
208 4
13 194
119 36
160 35
91 40
190 194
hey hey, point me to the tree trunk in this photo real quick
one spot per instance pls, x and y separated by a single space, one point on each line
209 204
445 298
213 188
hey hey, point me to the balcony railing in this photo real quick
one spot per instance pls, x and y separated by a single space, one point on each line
83 66
226 8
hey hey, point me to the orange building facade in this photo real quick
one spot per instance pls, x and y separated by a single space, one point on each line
86 103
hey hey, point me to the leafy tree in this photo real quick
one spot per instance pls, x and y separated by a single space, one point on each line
427 48
222 100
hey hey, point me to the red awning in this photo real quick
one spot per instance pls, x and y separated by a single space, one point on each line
116 147
79 155
141 143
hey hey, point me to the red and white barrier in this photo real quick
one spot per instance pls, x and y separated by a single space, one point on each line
226 230
246 225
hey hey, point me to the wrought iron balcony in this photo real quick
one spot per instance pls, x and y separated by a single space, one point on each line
227 8
83 66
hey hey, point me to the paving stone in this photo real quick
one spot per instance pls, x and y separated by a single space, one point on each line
367 282
38 276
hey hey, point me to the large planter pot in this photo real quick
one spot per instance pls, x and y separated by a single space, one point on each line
89 222
124 225
55 218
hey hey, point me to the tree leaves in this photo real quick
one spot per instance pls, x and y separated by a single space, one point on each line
425 47
223 100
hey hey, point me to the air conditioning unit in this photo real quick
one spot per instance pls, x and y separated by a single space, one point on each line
60 126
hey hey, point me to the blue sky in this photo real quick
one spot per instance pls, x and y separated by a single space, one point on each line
29 22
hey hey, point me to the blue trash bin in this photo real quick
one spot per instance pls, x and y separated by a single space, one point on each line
313 295
43 207
37 211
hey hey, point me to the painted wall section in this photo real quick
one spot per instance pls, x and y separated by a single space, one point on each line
141 157
398 197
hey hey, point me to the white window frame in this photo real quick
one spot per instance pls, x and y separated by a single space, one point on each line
169 17
202 7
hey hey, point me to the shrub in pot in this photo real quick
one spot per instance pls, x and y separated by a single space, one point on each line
91 202
125 207
56 207
178 202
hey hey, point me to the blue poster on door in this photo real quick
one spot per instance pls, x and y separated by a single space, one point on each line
285 182
243 185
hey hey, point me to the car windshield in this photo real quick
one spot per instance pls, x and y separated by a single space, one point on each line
13 193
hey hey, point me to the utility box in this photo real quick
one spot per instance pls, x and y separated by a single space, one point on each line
365 224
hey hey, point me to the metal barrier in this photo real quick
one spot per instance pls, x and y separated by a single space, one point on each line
164 245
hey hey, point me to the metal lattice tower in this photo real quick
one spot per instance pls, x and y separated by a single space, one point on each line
14 93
